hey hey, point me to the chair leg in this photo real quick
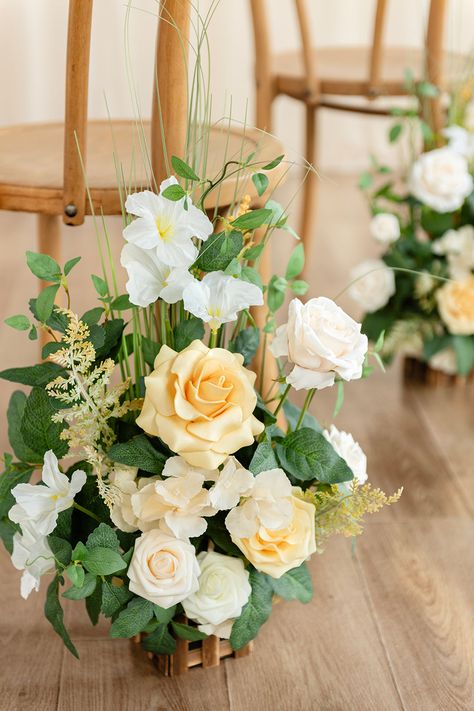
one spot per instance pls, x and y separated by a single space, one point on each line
263 100
309 190
49 242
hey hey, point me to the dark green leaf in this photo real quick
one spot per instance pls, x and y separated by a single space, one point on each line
70 264
19 322
395 132
121 303
55 615
16 408
164 615
192 634
100 285
261 183
93 316
188 331
255 613
263 459
39 375
85 590
103 537
138 452
33 334
61 550
45 302
246 343
160 641
151 349
174 193
103 561
112 337
43 266
38 431
252 220
94 603
133 619
50 348
7 531
254 251
8 480
63 526
307 455
219 250
114 598
183 169
273 164
294 585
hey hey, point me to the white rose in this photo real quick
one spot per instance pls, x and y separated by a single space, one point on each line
224 589
374 284
163 569
458 246
350 450
385 228
321 341
460 140
441 180
445 361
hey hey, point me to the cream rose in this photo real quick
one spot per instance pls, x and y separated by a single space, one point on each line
224 589
441 180
385 227
350 450
374 284
200 403
274 552
163 569
320 341
456 306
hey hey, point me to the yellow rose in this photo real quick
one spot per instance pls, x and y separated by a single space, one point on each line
456 306
276 552
200 403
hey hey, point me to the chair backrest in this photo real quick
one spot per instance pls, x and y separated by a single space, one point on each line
169 109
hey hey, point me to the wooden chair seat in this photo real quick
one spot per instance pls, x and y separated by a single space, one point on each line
345 70
31 164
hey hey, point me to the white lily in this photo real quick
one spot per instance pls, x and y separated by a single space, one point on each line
40 504
33 555
166 226
149 279
218 298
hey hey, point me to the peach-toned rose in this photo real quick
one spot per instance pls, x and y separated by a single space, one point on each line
456 306
276 552
200 403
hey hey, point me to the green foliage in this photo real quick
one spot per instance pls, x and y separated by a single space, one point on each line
38 375
292 414
464 349
114 598
81 592
55 615
295 263
43 266
38 431
252 276
296 584
264 458
183 169
70 264
138 452
252 220
61 550
45 302
19 322
276 293
133 619
436 223
112 335
94 603
93 316
160 641
246 343
188 331
219 535
101 560
103 536
306 455
299 287
100 286
150 350
164 615
219 250
174 193
255 613
261 183
16 408
7 531
274 163
8 480
192 634
395 132
76 575
121 303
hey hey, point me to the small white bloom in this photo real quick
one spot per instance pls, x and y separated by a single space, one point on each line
374 284
385 227
32 554
232 483
269 504
149 279
445 361
166 226
458 247
125 484
460 140
441 180
224 589
41 504
218 298
350 450
321 341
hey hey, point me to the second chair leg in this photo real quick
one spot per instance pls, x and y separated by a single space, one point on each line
49 242
309 190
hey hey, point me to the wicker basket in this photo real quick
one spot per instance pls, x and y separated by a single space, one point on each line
417 371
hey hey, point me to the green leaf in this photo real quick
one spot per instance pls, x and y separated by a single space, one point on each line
16 408
365 180
219 250
292 414
133 619
121 303
38 431
299 287
252 276
307 455
8 480
160 641
33 334
112 339
188 331
254 251
164 615
255 613
45 302
70 264
43 266
61 550
151 349
174 193
263 459
55 615
273 164
252 220
246 343
103 561
426 89
19 322
103 537
39 375
296 262
219 535
100 286
395 132
464 349
85 590
93 316
276 293
94 603
114 598
294 585
76 575
192 634
261 183
63 528
7 531
183 169
234 268
50 348
79 552
138 452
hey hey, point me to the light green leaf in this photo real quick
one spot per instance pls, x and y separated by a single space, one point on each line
296 584
43 266
395 132
464 349
183 169
76 575
70 264
296 262
19 322
261 183
121 303
164 615
84 591
45 302
252 220
100 286
174 193
299 287
252 276
103 536
263 459
103 561
273 164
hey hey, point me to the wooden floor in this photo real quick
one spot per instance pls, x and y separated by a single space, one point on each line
391 622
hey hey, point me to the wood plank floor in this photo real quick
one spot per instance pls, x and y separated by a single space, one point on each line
391 625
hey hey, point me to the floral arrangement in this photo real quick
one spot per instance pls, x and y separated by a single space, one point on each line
420 292
171 487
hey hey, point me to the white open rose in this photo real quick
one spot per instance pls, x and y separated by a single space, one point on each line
385 227
224 589
350 450
441 180
163 569
321 341
373 284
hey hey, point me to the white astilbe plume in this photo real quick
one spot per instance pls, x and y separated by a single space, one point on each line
409 336
91 400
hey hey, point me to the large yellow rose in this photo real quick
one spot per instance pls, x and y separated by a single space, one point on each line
200 403
276 552
456 306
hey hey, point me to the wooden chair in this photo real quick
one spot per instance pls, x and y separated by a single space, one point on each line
332 77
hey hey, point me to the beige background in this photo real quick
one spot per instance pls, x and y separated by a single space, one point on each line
32 52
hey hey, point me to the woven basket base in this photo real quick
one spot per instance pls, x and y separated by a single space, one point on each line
416 371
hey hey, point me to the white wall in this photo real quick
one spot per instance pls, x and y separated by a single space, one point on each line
32 52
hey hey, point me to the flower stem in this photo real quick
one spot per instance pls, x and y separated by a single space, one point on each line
282 400
86 511
305 407
163 317
213 339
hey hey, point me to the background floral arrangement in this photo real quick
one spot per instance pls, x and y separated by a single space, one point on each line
420 293
186 491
